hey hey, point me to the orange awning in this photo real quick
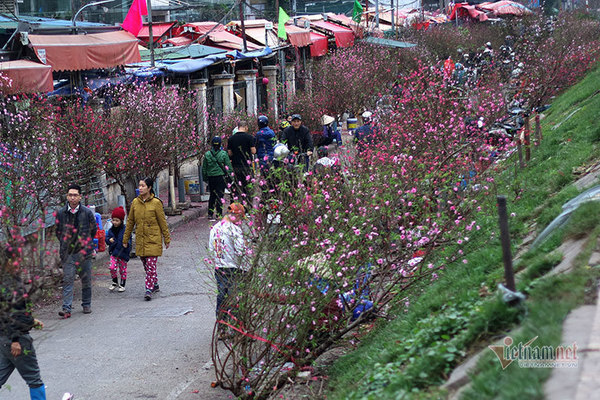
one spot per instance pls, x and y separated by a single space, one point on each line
298 37
80 52
258 35
344 37
319 44
179 41
158 29
26 77
218 37
230 41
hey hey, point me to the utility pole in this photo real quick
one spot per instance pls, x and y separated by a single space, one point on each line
150 36
241 5
377 14
393 15
294 8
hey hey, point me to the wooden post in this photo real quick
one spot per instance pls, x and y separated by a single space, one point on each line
527 141
520 151
150 36
538 130
509 275
241 5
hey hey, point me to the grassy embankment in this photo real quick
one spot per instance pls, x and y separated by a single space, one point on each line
456 315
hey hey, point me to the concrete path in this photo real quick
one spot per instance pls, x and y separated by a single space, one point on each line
129 348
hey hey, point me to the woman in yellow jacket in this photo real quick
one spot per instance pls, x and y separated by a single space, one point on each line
148 215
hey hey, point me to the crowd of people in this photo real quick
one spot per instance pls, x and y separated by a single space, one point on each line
76 228
247 155
292 147
467 67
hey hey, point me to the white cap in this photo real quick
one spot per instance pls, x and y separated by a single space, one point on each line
367 114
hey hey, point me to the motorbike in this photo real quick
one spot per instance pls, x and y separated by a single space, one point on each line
509 127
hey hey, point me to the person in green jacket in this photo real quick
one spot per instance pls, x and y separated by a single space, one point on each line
216 168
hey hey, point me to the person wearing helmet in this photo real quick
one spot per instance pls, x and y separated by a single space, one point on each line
488 53
265 141
366 133
216 169
284 124
298 139
228 251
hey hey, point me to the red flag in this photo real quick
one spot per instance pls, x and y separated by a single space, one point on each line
133 21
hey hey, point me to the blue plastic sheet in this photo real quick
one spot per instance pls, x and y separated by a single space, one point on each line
91 83
190 66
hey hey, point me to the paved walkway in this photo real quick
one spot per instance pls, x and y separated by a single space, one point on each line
582 326
129 348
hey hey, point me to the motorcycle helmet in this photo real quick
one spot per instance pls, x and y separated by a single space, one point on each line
263 121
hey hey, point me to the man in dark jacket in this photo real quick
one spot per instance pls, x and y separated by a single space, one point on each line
75 230
299 140
16 345
241 150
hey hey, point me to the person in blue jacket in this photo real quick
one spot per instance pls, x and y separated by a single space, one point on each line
119 255
265 143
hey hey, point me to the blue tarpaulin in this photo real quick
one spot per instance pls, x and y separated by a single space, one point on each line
92 83
190 66
148 72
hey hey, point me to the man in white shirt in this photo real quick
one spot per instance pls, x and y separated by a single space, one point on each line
229 252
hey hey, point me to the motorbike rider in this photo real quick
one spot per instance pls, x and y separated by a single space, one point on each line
365 134
299 140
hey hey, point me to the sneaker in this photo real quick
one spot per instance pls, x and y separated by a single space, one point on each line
156 289
113 286
121 289
64 314
87 309
148 295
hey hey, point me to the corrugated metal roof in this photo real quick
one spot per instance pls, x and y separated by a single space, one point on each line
387 42
175 53
46 23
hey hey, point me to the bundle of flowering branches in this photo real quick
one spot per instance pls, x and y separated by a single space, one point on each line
28 172
151 127
348 241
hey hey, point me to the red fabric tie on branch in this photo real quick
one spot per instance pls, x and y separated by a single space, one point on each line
252 336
